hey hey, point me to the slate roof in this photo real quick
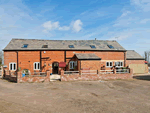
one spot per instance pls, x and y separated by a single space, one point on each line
35 44
133 55
87 56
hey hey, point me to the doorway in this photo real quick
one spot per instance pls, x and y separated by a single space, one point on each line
55 66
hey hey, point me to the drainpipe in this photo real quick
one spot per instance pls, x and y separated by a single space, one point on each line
65 58
17 61
17 67
40 61
125 56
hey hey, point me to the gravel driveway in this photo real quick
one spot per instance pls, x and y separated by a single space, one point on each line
119 96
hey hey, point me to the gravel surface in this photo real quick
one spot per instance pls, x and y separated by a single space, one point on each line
113 96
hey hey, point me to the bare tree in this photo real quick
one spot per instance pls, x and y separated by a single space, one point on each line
148 55
1 57
145 56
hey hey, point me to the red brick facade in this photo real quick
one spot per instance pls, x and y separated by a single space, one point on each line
10 57
26 59
91 64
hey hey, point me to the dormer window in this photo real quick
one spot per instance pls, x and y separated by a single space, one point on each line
25 46
92 46
110 46
71 46
45 46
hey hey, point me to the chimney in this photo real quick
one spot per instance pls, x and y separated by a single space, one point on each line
95 38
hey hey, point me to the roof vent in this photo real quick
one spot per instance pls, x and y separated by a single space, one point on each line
71 46
92 46
45 46
110 46
25 46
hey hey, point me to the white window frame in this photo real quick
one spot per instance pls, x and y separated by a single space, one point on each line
109 63
36 65
71 62
120 63
13 66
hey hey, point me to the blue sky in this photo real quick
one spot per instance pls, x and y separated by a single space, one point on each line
128 20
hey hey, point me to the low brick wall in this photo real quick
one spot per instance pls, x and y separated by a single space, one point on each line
93 77
17 77
21 79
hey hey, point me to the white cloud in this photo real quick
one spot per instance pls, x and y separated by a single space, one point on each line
77 25
125 19
125 14
51 26
64 28
143 4
144 21
121 36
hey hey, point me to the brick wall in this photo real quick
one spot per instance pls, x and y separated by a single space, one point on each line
104 55
31 79
10 57
26 59
54 56
92 64
78 77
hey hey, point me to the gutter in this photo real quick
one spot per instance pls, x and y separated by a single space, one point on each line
63 50
135 59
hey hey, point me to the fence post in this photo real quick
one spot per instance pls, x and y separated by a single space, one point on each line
80 72
114 70
19 76
47 76
62 72
9 73
2 71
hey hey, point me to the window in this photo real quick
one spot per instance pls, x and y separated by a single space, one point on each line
12 66
25 46
119 64
71 46
92 46
45 46
36 66
71 64
109 64
110 46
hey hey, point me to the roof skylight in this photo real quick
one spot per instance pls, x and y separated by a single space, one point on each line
92 46
110 46
45 46
25 46
71 46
